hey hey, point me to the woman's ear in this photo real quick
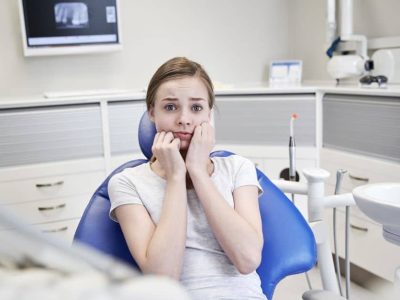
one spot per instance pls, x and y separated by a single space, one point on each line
150 112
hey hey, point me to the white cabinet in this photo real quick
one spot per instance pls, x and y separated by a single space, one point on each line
50 196
54 156
361 134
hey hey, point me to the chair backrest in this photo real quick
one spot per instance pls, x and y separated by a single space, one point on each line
289 244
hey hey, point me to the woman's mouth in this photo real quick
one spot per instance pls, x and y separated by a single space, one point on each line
183 136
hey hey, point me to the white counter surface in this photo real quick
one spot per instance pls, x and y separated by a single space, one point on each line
253 89
310 88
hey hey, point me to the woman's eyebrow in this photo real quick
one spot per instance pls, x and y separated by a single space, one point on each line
169 99
176 99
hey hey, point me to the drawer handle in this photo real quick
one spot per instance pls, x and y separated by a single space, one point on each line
44 185
44 208
359 228
65 228
359 178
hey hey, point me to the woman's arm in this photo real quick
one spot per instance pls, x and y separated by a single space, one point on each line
238 230
159 248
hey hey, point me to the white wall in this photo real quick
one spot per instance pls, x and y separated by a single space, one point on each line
233 39
372 18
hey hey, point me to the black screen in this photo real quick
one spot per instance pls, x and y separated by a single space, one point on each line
70 22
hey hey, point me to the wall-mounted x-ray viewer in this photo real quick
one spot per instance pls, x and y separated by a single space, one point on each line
59 27
283 72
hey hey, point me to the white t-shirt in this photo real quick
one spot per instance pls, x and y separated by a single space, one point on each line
207 272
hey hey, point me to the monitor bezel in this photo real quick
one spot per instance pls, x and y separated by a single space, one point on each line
68 49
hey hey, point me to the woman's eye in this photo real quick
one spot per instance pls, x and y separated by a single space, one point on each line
197 108
170 107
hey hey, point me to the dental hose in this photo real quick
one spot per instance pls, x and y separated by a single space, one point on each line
347 255
292 168
339 177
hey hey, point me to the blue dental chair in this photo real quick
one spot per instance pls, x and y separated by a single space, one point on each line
289 244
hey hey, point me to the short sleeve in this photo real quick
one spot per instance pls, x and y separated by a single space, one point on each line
246 175
121 191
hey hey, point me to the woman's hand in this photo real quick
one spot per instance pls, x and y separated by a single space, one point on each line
166 149
201 145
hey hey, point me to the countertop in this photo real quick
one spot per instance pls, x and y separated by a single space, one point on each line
220 90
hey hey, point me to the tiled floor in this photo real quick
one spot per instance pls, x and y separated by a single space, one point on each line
292 287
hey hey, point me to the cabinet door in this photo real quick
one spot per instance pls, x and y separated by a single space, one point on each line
124 118
49 134
367 125
265 119
368 249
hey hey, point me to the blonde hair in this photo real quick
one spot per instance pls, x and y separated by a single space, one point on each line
175 68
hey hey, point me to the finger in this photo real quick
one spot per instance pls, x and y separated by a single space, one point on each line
168 137
156 137
176 142
197 133
160 139
210 132
205 129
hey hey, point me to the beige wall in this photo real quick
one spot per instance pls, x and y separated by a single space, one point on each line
233 39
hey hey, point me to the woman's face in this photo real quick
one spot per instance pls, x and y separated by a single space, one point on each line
181 105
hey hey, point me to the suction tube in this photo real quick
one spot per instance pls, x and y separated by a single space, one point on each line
292 150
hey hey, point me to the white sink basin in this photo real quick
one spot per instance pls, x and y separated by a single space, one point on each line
381 202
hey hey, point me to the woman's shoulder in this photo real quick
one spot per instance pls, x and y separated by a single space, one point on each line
128 174
233 162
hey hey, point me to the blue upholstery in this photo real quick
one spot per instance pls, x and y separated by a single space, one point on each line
289 244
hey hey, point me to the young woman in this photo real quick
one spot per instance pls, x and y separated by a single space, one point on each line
183 214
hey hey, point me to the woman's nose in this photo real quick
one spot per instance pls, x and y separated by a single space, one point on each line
184 118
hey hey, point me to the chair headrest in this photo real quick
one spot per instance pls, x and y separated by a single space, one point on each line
146 132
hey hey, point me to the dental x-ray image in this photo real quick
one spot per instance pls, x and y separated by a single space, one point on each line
71 15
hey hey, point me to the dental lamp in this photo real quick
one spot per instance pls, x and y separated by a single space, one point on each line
351 65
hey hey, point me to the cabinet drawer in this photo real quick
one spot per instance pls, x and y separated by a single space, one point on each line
361 169
63 230
368 248
51 210
49 187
